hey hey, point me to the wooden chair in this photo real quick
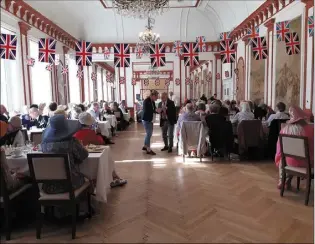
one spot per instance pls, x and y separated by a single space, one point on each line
55 168
7 198
36 137
296 147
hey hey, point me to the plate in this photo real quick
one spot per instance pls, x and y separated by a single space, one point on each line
18 156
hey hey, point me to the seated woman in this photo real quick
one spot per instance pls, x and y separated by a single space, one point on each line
14 135
233 108
75 112
87 136
58 138
245 114
297 126
122 123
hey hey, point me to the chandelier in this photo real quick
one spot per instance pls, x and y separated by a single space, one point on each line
140 8
148 37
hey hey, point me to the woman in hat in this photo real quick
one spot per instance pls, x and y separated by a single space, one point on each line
298 126
86 135
58 138
14 135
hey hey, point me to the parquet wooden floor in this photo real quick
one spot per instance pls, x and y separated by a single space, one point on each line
168 201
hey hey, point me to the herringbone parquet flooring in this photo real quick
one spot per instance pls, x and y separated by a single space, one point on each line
168 201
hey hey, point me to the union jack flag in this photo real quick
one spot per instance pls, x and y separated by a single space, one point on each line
108 76
259 48
157 55
80 74
139 51
227 74
187 81
167 82
218 76
106 53
227 51
157 82
197 80
282 28
64 70
8 46
292 43
30 61
252 33
121 55
49 67
311 26
133 81
47 50
225 36
177 81
122 80
201 42
178 48
93 76
83 54
209 77
146 82
191 54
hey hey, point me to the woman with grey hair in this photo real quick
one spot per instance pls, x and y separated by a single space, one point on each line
245 114
75 112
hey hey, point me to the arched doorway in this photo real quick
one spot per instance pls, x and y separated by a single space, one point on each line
240 80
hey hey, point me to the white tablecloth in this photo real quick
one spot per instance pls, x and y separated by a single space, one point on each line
98 166
126 116
105 128
111 119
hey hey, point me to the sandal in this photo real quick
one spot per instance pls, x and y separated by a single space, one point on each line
118 182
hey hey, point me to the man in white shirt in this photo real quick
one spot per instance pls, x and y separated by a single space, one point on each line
280 113
176 101
95 111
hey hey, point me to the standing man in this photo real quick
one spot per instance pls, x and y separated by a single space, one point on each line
167 121
148 118
176 101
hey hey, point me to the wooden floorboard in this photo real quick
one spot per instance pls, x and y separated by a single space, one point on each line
168 201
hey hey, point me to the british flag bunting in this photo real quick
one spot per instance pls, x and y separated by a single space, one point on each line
292 43
252 33
225 36
79 74
139 51
122 55
8 46
157 55
64 70
83 55
259 48
201 42
311 26
191 54
94 76
178 48
227 51
47 50
30 61
282 28
122 80
49 67
106 53
177 81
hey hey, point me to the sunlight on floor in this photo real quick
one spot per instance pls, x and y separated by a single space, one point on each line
193 162
157 145
142 160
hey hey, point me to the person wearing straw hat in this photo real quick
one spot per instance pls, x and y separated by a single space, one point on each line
58 138
298 126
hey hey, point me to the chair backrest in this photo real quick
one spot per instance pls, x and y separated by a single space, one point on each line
250 132
295 147
117 115
36 137
273 135
4 193
50 168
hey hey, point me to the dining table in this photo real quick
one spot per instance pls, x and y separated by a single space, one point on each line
97 167
111 119
105 128
126 116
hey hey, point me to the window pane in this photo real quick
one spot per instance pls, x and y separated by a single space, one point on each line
74 82
40 77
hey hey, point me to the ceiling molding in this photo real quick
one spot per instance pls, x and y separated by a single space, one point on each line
106 67
29 15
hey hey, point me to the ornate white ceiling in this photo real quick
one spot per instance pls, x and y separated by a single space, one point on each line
97 22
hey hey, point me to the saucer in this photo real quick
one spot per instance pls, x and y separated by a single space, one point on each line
16 156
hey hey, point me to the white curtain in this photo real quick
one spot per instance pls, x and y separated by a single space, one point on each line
40 77
74 82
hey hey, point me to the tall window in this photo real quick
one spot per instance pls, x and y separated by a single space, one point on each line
74 82
40 77
11 80
99 85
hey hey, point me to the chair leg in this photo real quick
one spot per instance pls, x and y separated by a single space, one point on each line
8 222
74 221
39 221
298 179
89 205
308 190
283 183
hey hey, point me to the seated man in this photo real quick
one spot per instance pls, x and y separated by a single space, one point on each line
280 113
4 115
95 111
14 135
123 106
188 115
34 119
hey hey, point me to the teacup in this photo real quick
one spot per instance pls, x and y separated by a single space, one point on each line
17 152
